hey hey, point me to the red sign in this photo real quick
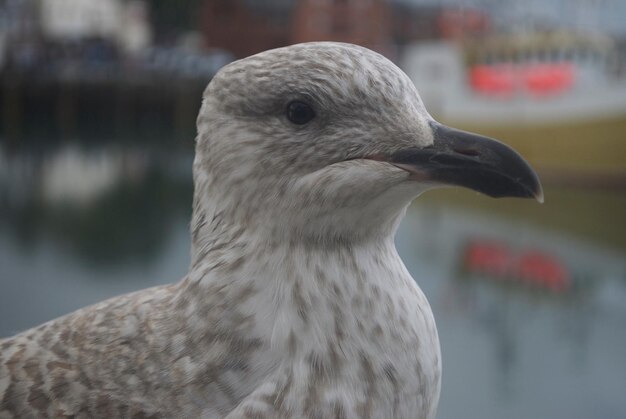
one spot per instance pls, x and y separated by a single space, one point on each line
529 266
538 78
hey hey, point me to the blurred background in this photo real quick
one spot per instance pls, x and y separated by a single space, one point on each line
98 100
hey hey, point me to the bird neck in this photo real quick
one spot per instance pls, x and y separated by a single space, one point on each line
219 230
326 307
299 287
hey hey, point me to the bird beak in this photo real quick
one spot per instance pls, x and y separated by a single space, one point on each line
464 159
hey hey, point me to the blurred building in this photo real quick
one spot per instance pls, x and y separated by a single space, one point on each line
136 33
412 23
33 32
76 19
245 27
366 23
124 23
19 34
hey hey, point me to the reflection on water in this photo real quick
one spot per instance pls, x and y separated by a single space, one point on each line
513 345
530 300
107 207
77 226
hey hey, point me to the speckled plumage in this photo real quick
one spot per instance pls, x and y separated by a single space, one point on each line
296 304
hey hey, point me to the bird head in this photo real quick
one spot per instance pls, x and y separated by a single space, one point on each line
330 142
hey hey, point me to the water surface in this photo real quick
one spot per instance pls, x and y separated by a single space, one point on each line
530 300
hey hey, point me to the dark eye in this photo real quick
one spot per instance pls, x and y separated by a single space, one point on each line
299 112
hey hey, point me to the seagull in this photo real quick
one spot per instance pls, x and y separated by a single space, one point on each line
296 303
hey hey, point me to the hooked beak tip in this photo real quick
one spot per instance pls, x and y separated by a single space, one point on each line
539 194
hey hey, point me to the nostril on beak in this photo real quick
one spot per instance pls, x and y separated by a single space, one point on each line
467 151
